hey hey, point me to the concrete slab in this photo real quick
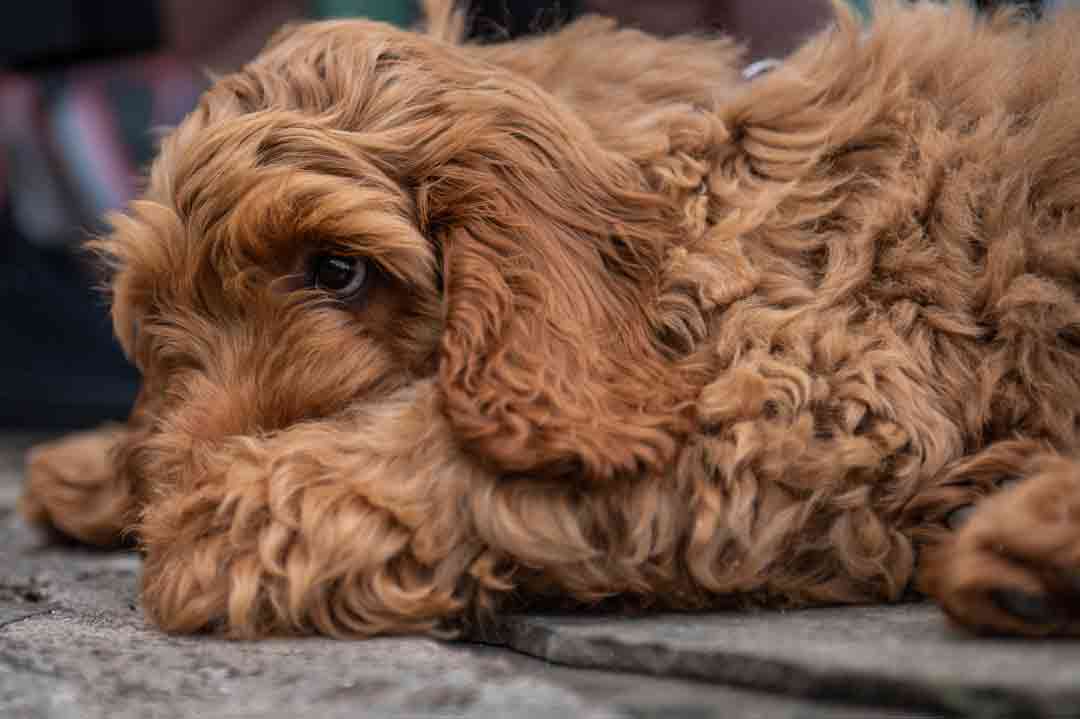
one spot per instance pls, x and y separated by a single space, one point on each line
903 656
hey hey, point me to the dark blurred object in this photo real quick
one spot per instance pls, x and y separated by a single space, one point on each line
769 28
52 34
60 367
498 20
661 18
39 33
1033 6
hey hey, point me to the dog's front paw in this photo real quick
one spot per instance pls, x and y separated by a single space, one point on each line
71 487
306 533
1014 567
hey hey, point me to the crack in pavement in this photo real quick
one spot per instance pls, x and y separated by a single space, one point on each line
40 613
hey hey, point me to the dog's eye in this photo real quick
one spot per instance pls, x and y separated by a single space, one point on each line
343 277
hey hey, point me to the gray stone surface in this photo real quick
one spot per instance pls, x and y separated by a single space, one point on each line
73 643
904 656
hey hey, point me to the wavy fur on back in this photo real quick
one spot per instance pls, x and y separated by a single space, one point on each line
636 329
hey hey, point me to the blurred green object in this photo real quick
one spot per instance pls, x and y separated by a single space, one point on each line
398 12
863 6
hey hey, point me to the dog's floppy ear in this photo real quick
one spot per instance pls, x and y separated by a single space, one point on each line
551 360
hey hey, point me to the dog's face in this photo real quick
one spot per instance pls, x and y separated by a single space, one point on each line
362 208
253 296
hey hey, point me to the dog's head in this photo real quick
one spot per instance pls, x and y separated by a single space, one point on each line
363 208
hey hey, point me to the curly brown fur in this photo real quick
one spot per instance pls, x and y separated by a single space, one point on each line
634 328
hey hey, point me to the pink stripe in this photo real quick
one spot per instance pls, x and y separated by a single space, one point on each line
102 145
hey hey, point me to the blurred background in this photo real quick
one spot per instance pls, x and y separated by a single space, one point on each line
84 84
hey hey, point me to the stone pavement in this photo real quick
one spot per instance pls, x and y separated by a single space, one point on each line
73 643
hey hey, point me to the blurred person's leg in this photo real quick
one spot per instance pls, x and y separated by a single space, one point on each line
73 143
74 139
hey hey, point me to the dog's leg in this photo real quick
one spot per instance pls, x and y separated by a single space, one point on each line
71 487
351 527
1013 565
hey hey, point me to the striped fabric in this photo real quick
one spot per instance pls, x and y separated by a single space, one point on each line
75 143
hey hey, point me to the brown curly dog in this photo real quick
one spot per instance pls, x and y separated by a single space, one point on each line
429 330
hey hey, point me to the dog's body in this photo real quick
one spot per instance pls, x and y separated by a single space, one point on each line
629 327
